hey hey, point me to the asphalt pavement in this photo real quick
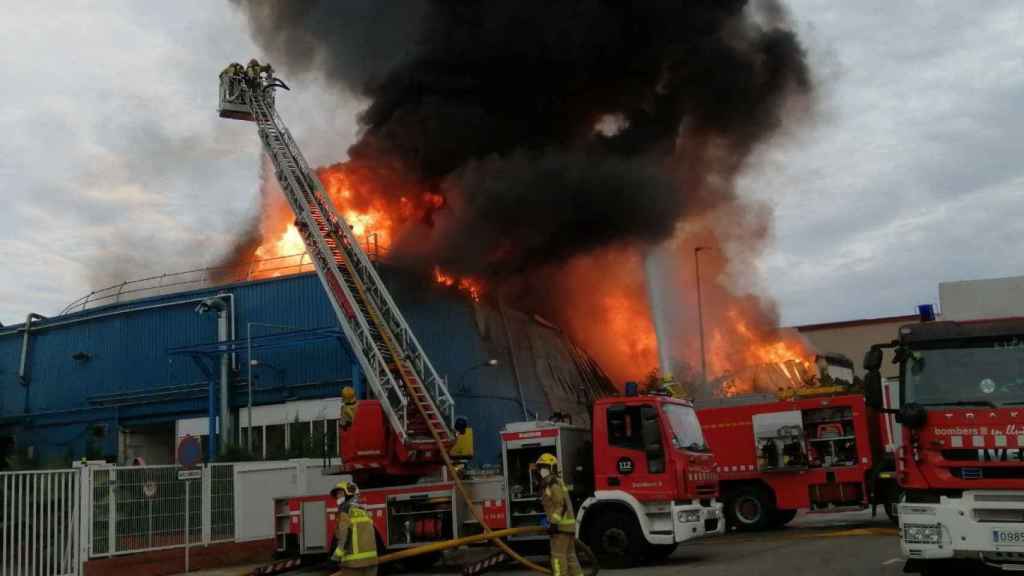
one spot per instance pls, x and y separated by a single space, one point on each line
841 544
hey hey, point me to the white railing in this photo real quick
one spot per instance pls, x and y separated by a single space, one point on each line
40 523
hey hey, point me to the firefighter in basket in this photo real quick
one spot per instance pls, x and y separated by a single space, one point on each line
560 518
356 540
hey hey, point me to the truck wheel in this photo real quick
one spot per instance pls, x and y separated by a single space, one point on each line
616 540
749 508
659 552
782 517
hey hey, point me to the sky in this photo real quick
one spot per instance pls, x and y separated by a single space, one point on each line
115 166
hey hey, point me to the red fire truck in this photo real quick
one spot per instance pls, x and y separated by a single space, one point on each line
961 420
821 451
643 481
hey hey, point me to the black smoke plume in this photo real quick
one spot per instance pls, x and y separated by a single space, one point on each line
553 128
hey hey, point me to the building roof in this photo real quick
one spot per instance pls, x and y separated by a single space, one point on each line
861 322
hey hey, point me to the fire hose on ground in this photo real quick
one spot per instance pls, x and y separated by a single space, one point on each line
466 540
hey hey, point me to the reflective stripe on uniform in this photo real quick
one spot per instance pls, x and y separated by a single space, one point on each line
359 517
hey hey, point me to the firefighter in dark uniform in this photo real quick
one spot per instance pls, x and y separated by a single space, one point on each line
354 532
561 518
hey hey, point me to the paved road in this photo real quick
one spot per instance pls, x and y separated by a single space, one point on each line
848 544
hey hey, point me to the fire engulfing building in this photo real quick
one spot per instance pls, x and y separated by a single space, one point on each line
128 379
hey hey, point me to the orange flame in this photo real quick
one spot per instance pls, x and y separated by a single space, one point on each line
472 287
375 220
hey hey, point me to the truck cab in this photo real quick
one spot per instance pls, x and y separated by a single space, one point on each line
655 480
961 415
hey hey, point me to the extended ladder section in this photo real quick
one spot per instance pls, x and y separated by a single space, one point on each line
414 398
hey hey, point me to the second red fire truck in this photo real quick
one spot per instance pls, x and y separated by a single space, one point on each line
821 450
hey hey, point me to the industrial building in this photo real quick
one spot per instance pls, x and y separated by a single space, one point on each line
124 378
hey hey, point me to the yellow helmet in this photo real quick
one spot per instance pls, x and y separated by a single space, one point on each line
547 459
348 394
347 488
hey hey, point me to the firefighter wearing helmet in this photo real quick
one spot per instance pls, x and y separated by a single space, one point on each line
560 518
348 408
356 539
252 71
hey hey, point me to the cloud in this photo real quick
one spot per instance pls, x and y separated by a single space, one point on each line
114 160
911 176
118 166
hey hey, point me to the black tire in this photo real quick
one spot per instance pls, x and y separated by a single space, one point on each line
587 558
750 508
616 540
659 552
782 517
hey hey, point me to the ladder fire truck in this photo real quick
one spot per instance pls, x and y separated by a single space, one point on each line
819 449
644 480
960 415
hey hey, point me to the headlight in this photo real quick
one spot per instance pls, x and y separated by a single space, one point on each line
689 516
922 533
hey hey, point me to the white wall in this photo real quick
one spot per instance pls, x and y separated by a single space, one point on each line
976 299
257 484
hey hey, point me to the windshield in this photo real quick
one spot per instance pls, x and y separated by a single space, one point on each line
982 374
686 431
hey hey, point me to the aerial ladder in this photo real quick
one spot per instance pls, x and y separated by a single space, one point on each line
414 399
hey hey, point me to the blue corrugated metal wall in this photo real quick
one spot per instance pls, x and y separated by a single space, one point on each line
129 378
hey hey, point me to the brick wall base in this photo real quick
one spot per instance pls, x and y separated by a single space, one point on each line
164 562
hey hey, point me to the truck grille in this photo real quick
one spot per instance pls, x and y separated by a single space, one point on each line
711 524
999 497
990 473
997 515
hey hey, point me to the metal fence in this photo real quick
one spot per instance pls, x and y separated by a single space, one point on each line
39 523
52 521
143 508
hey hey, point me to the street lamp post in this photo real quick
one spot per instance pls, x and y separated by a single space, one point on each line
700 314
249 361
460 382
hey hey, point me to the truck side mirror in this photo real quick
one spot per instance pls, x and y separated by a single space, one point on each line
873 390
873 359
912 415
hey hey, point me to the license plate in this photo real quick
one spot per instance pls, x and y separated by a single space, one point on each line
1008 537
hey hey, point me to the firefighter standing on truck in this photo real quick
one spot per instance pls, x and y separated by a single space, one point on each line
561 519
348 408
354 532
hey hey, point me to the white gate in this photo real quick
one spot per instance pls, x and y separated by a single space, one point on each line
39 523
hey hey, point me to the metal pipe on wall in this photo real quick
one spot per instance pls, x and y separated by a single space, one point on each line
23 376
222 307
